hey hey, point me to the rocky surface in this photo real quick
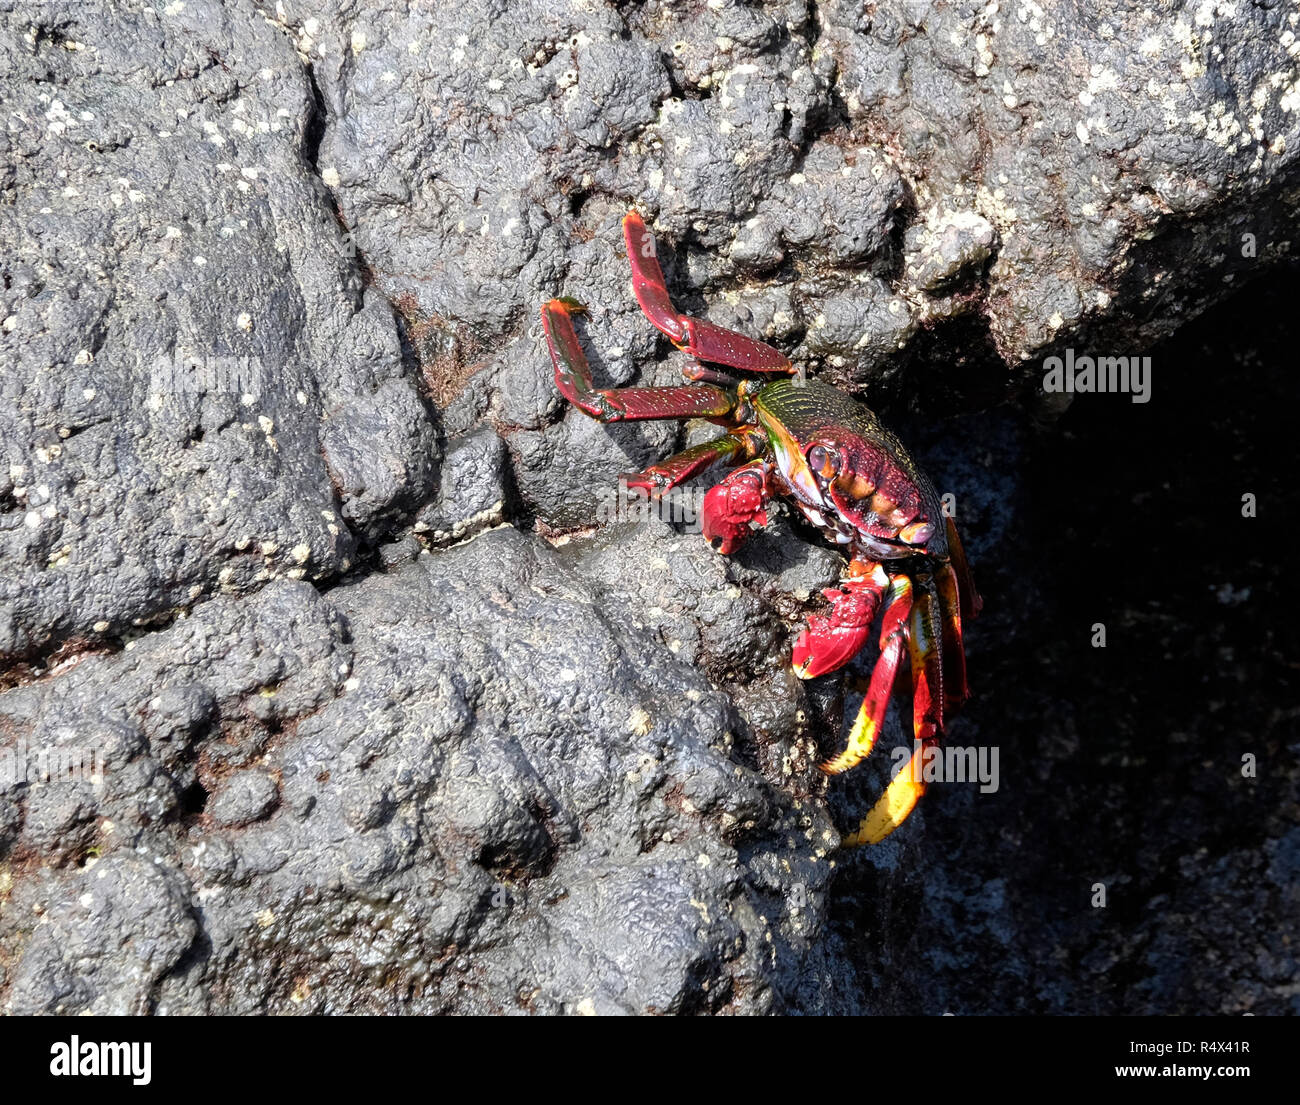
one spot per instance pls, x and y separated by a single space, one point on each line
298 553
199 394
412 777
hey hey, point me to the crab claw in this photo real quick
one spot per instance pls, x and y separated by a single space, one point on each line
730 506
831 640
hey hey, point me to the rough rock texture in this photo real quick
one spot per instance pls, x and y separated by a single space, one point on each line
441 814
333 682
199 394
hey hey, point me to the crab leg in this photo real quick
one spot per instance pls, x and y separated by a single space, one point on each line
971 603
924 637
925 655
731 448
894 806
573 378
698 337
954 654
893 635
693 370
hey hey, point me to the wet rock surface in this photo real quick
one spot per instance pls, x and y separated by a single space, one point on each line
464 784
376 701
199 393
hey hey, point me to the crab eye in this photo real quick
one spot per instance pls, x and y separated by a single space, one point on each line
825 462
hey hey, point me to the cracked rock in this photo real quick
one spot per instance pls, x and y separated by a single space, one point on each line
473 495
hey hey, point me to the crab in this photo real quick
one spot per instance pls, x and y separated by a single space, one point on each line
849 476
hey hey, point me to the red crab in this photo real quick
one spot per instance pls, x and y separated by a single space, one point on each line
849 476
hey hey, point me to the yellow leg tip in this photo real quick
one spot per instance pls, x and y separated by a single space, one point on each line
840 764
893 807
862 739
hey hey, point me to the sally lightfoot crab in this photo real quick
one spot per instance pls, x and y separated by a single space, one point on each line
847 474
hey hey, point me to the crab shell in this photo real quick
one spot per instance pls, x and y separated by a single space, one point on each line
867 493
